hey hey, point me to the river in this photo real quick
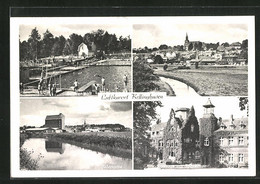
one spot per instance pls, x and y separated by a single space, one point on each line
180 88
63 156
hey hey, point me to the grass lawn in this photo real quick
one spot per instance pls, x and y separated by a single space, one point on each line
211 80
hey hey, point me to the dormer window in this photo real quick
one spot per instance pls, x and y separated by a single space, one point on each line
242 125
223 126
232 126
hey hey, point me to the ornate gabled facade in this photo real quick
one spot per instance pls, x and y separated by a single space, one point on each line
211 141
177 140
181 135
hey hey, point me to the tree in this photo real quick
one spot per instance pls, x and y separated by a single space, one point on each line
75 41
158 59
144 113
47 44
143 77
243 104
67 50
163 46
244 44
24 50
58 46
33 41
226 44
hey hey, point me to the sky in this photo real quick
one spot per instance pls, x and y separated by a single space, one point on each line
68 29
224 107
153 35
76 109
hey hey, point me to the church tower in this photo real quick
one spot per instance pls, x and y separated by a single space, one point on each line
208 124
186 42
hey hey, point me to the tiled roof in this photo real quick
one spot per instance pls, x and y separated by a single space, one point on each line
53 117
158 127
236 123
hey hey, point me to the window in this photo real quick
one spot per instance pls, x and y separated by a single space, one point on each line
231 158
168 143
197 143
230 141
241 158
192 128
160 143
172 143
197 155
221 140
206 141
157 132
221 157
153 133
172 154
240 140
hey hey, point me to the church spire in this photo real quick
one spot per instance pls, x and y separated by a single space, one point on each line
187 36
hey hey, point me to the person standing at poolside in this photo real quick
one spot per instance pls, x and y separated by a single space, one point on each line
76 85
103 83
125 79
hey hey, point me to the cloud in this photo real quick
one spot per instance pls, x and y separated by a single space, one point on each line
121 106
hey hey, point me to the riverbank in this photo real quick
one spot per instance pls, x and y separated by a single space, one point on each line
211 81
120 146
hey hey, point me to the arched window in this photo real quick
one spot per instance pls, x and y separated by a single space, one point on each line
192 128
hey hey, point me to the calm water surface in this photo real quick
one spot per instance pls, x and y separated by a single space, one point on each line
180 88
63 156
113 77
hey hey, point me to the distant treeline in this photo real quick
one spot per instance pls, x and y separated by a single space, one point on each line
40 47
196 46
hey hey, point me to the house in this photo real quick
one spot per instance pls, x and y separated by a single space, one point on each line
40 130
209 141
181 136
177 140
231 141
82 50
236 45
55 121
157 132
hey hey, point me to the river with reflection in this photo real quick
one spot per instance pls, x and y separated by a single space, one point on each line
180 88
64 156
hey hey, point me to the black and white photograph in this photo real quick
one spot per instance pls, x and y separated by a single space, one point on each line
74 59
75 134
199 133
158 96
191 59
